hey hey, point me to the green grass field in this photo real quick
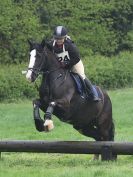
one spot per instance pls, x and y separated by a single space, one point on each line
16 122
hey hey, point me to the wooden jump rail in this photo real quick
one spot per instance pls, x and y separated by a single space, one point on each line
106 149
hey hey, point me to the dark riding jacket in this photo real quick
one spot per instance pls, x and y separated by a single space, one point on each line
67 54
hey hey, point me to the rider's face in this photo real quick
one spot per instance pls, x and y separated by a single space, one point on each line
60 41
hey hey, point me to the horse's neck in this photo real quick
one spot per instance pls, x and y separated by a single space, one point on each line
52 61
58 80
53 66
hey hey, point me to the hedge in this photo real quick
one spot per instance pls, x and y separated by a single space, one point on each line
13 85
114 72
102 26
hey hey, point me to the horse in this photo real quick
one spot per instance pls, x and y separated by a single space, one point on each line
58 96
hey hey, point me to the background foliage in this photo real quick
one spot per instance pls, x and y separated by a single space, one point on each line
103 26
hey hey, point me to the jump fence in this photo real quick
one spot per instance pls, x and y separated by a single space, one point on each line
106 149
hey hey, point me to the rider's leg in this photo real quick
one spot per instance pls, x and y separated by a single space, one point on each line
92 89
79 68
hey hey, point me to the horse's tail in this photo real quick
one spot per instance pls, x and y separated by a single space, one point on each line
112 132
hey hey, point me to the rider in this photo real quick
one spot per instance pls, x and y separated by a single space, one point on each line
68 55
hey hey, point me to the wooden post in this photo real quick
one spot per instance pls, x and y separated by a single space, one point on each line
106 153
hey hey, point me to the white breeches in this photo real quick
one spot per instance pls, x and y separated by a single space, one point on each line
79 68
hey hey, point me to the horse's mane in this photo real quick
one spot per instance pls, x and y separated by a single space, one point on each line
49 46
46 44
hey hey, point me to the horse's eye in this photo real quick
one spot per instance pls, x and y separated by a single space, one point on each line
39 54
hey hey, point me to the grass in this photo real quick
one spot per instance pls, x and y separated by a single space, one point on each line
16 122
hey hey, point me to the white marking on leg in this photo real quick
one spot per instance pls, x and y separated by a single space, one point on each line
31 63
48 125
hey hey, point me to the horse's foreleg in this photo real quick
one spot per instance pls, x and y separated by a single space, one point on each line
48 125
37 119
43 125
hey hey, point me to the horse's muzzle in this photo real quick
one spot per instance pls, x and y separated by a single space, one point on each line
31 76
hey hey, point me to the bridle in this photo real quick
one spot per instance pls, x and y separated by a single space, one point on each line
38 71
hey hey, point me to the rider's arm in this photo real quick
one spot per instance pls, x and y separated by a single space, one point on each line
74 54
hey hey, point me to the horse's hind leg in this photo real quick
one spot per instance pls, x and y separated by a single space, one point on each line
90 131
100 133
107 131
107 134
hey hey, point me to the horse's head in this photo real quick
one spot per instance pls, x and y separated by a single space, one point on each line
37 60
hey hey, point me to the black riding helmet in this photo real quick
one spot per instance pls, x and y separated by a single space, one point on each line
60 32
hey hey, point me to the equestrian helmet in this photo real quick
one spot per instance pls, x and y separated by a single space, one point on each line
60 32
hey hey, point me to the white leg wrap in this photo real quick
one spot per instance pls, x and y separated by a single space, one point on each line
79 68
49 125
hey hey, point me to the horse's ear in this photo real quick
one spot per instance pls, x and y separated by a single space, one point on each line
46 42
30 42
43 43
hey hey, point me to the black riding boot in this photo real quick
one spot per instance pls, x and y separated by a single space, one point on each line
92 90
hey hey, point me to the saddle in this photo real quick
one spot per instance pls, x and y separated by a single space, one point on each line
81 86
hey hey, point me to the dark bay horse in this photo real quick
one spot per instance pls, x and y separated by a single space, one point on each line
59 96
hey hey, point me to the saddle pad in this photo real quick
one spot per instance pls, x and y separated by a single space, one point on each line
78 83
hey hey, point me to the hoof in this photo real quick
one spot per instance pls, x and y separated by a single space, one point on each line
96 157
48 125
